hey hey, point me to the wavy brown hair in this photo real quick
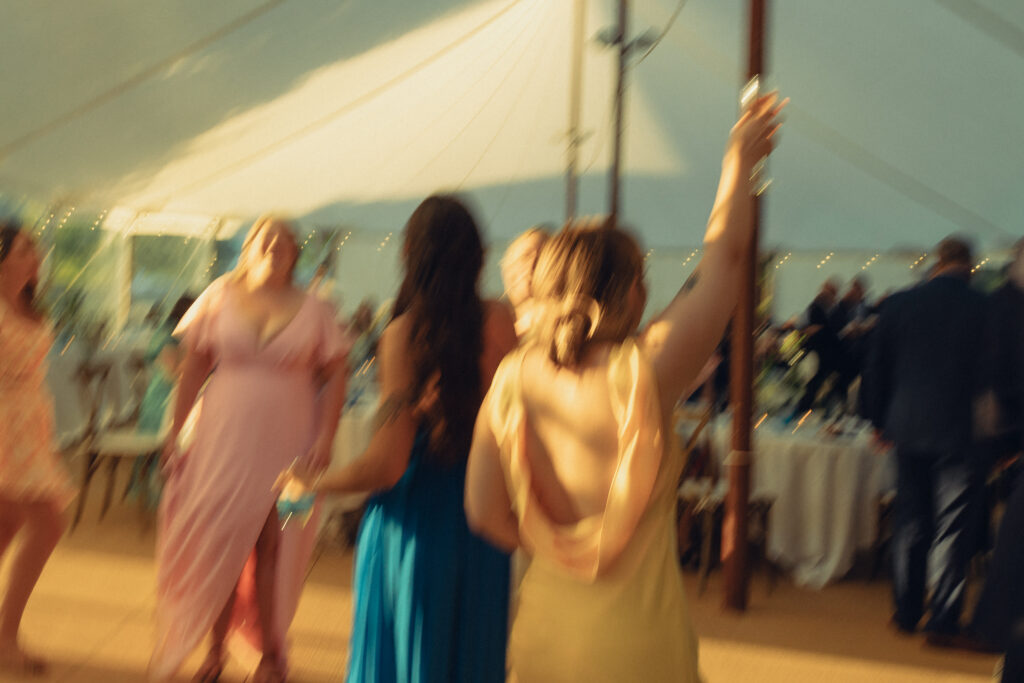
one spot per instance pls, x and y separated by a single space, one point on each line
443 256
582 280
8 233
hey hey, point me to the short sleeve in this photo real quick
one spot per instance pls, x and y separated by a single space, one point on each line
194 330
333 338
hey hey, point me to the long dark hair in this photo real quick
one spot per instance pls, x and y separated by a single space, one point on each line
8 233
443 257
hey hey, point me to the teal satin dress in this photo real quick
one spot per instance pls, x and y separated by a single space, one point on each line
431 598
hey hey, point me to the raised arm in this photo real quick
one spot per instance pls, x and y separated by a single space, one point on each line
681 339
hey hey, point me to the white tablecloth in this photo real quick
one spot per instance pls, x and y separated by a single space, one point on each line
826 492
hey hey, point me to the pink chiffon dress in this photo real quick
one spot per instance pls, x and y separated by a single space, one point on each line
256 415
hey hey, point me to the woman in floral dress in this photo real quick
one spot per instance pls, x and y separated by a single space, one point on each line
34 487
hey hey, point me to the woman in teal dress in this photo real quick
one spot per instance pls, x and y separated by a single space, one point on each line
431 597
162 360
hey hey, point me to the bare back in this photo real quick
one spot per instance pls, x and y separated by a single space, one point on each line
571 434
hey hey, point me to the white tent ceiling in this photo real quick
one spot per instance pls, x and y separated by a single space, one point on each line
904 126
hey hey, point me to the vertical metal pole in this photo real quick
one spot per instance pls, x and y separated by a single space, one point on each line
575 94
620 90
734 529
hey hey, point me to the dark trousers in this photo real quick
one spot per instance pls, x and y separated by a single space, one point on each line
1013 664
935 510
999 617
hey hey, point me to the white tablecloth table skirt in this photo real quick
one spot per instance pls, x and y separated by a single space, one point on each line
826 492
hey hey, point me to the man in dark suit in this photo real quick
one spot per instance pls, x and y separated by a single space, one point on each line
999 617
822 338
923 374
1007 356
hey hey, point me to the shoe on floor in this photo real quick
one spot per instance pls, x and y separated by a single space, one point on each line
959 641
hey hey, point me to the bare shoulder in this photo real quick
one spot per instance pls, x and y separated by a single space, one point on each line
397 333
218 287
499 325
497 310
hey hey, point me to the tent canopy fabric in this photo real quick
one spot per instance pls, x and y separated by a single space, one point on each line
903 128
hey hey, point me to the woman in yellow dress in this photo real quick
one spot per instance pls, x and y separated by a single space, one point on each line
571 458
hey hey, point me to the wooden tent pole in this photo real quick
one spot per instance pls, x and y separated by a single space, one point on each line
575 88
620 95
734 529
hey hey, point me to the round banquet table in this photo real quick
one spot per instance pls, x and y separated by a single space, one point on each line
826 491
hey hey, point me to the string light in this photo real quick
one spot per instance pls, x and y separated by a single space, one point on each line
870 262
980 265
803 419
919 261
783 260
385 242
693 255
826 259
343 240
64 219
210 265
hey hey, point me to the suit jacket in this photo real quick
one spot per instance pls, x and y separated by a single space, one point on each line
926 365
825 340
1007 354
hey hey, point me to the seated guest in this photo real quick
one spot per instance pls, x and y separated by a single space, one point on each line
821 337
851 308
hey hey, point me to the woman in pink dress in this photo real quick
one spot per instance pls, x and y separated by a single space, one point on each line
34 487
273 360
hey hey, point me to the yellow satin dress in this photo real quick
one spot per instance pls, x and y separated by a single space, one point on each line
602 599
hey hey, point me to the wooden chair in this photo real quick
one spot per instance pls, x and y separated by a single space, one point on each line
702 498
109 445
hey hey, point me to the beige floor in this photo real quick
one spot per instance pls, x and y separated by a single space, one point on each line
91 614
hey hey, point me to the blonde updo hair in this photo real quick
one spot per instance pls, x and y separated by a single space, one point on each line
246 255
520 260
582 282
